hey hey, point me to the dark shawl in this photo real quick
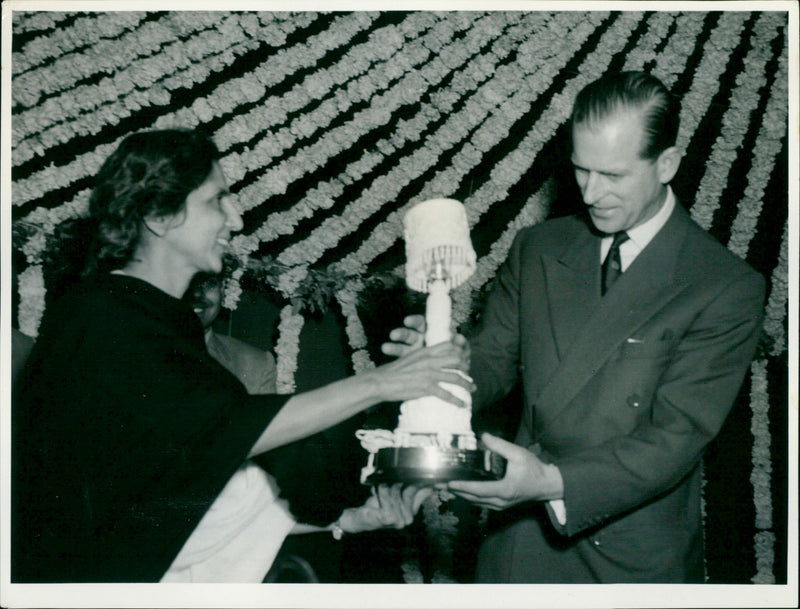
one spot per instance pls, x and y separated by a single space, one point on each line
124 432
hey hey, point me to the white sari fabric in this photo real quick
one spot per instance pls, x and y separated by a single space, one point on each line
240 535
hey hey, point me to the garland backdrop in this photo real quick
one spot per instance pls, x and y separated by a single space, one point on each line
332 124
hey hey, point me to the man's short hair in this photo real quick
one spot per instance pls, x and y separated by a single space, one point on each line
640 91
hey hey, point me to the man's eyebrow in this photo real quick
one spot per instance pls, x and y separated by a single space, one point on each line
608 172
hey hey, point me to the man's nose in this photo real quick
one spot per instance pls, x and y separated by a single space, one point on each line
593 189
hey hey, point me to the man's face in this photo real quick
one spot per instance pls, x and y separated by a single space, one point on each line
621 189
207 302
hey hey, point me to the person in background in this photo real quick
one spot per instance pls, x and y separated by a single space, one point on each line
630 329
252 366
125 431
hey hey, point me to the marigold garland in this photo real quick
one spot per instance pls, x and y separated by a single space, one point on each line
744 100
287 349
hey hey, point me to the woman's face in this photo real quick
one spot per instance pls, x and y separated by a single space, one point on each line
200 234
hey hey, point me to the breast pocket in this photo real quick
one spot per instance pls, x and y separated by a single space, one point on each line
643 348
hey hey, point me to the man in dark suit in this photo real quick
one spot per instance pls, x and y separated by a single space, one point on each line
630 331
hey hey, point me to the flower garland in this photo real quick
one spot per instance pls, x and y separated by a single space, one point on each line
86 30
706 80
94 34
657 30
356 335
381 50
744 100
31 292
181 65
257 83
775 311
287 348
365 88
760 477
672 61
36 21
146 81
766 149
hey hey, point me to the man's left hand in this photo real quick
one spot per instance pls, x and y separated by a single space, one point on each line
527 478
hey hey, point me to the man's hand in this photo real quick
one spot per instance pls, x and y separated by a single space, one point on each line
407 339
527 478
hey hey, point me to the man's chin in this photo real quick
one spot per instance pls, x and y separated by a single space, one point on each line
604 223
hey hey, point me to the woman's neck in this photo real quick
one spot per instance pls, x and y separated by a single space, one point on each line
167 280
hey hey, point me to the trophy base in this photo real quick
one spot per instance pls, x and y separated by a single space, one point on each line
432 464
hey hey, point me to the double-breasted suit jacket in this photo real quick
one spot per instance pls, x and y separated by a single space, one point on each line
622 392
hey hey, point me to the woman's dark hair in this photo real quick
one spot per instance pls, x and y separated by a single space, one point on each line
619 91
149 174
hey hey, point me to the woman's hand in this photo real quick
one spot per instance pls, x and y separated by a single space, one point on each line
389 507
420 371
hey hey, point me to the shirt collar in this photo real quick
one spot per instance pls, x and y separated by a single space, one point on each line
643 234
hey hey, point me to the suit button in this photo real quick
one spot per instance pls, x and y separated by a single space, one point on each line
596 542
634 401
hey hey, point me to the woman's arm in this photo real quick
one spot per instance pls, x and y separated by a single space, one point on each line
416 374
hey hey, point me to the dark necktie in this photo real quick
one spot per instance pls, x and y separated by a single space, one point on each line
612 265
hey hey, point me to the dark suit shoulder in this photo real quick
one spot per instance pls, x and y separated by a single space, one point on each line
554 236
704 254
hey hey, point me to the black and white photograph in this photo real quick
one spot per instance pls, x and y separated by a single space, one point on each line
323 304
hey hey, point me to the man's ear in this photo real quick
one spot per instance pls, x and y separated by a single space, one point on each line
668 162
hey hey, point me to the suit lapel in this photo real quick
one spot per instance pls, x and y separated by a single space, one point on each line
573 289
604 323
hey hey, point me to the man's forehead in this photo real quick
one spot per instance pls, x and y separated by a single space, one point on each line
622 130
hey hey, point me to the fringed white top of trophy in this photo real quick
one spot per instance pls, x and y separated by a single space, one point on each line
434 440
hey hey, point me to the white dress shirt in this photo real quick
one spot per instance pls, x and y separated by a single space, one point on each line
641 235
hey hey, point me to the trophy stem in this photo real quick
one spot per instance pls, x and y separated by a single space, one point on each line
438 311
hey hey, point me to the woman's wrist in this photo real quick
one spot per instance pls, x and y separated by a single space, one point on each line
336 530
343 524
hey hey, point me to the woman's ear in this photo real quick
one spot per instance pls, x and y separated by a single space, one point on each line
158 225
668 162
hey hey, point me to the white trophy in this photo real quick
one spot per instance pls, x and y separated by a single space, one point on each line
434 441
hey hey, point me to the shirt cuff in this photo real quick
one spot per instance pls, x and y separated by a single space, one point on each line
559 511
